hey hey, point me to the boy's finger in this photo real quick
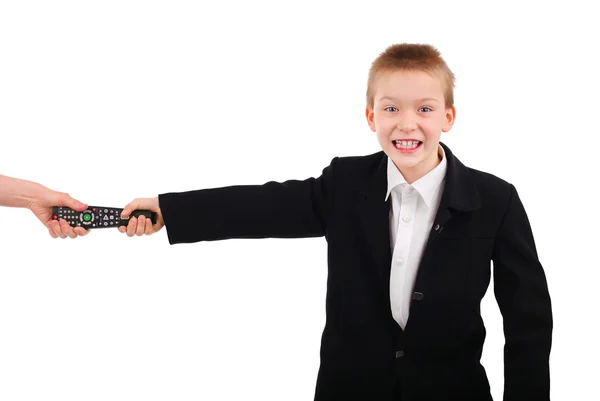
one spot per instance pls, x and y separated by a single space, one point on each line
130 207
141 225
131 227
149 229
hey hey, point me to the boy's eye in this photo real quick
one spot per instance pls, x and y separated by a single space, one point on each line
427 109
390 107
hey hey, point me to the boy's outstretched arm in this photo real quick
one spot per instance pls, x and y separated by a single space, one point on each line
522 294
40 200
290 209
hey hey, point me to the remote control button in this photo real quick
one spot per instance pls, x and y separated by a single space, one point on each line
85 217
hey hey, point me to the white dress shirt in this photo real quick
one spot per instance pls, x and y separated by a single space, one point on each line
414 208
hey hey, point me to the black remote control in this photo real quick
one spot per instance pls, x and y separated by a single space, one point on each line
97 216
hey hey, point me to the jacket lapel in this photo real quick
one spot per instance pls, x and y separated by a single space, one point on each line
460 195
373 211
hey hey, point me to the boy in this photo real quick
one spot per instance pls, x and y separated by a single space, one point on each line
411 232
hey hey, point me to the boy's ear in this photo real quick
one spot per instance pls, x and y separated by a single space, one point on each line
450 117
370 119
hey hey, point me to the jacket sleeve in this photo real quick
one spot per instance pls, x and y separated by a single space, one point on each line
522 294
290 209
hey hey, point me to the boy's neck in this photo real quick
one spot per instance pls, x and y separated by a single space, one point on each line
420 170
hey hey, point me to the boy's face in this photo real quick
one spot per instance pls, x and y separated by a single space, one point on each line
409 116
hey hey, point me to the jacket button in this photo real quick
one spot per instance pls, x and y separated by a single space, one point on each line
399 354
418 296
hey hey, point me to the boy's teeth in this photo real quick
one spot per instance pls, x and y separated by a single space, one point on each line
406 144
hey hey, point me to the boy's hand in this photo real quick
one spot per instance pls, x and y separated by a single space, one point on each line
42 204
142 225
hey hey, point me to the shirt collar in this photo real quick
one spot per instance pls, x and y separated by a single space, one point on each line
426 186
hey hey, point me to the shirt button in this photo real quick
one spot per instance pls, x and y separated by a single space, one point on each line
399 354
409 190
400 261
406 219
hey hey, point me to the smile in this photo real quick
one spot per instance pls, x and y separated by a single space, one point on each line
408 146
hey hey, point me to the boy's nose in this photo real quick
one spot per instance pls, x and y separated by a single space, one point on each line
407 125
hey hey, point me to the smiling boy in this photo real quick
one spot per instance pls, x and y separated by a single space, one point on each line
411 235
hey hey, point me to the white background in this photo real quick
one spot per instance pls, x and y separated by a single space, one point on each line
115 100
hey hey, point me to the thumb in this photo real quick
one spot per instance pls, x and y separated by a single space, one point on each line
73 203
131 206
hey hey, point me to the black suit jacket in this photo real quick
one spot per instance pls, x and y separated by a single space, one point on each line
364 352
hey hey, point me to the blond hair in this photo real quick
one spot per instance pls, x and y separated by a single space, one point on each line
412 57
